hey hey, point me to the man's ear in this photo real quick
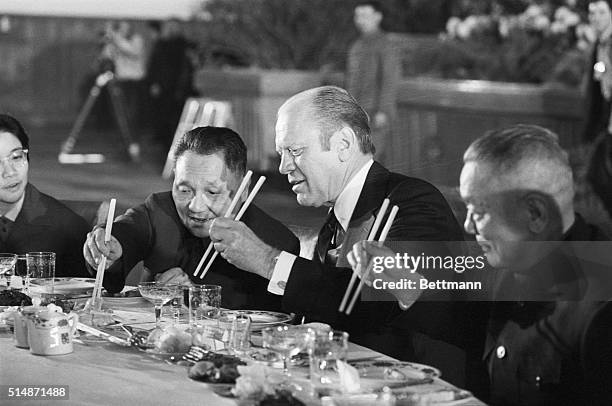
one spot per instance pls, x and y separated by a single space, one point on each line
343 142
542 212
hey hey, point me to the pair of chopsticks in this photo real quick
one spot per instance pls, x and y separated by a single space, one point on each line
96 296
241 188
98 333
371 236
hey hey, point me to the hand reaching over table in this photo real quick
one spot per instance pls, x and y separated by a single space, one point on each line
242 248
95 247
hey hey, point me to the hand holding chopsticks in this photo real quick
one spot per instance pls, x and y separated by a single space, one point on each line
382 238
241 212
96 297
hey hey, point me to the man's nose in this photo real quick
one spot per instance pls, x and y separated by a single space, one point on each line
199 203
8 169
286 164
468 224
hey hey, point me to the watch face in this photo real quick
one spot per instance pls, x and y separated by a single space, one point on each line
599 67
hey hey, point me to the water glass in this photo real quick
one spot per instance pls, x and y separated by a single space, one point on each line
21 270
41 267
178 301
7 268
325 349
204 303
287 341
235 332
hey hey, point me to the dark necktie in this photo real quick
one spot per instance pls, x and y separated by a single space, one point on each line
326 240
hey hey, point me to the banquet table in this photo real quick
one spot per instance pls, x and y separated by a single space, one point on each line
103 373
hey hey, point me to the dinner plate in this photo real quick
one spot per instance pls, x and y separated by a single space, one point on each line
129 297
260 319
65 286
394 374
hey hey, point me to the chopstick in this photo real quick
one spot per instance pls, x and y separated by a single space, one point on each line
243 209
379 217
228 212
96 296
382 238
95 332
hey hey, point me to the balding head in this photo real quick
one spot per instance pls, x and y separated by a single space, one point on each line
526 157
331 108
323 139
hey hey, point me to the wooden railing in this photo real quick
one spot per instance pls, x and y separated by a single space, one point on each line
437 119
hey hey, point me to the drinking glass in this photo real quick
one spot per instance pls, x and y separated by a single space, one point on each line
158 294
180 298
235 331
204 303
7 267
41 267
326 348
21 269
287 341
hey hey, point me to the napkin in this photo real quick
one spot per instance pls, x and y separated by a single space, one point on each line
349 377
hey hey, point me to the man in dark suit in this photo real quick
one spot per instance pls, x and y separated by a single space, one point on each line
170 230
546 337
31 220
323 138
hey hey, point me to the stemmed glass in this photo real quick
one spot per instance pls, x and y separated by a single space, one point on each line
7 266
287 341
158 294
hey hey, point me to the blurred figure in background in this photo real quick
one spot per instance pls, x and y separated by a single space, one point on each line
169 77
600 94
31 220
373 74
126 49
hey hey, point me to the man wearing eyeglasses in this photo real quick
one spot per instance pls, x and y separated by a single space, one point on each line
31 220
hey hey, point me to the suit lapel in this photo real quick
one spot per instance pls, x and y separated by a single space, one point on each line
372 195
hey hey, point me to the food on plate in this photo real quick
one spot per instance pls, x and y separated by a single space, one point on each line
216 368
65 302
280 398
14 298
172 340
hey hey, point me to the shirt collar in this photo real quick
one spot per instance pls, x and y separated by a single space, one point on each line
14 211
346 202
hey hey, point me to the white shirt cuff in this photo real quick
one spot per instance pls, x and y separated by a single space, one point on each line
281 272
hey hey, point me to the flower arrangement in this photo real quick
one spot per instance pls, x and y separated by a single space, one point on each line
545 42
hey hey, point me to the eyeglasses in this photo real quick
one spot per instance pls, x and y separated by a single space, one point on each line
17 158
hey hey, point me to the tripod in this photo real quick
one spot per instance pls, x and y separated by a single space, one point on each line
116 97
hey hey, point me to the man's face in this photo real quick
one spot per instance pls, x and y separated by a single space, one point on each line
14 170
202 190
367 19
309 169
600 16
493 216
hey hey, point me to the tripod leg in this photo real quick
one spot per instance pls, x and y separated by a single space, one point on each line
68 145
117 102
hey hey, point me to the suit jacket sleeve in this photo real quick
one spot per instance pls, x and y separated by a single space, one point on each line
133 230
